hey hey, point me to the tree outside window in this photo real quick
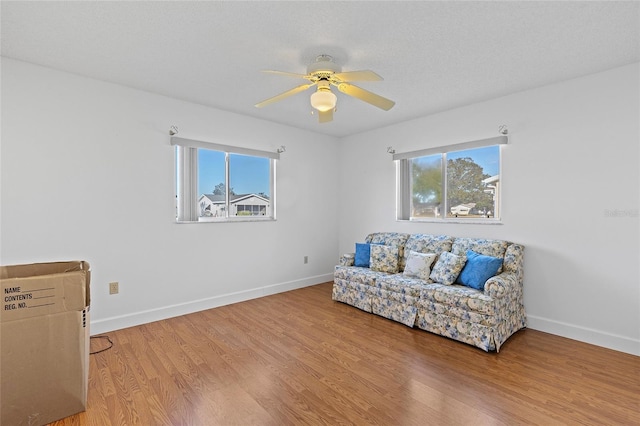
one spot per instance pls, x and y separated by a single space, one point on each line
467 187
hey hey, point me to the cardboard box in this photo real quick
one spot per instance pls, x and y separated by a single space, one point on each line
44 341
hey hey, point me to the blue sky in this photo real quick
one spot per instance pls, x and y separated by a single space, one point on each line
487 157
247 174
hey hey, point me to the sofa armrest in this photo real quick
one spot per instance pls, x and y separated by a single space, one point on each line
502 285
347 259
514 260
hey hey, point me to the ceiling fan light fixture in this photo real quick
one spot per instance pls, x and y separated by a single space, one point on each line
323 74
323 99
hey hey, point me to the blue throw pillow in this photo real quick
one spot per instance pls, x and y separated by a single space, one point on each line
478 269
363 254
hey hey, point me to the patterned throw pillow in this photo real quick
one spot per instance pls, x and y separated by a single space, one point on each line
384 258
447 268
419 265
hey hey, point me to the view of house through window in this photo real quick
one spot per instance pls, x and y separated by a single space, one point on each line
458 184
223 183
248 181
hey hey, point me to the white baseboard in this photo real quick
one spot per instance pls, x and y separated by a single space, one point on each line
144 317
587 335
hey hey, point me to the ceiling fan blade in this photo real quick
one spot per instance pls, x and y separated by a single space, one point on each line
325 116
284 95
364 75
365 95
288 74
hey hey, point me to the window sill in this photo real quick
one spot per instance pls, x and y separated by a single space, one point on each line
229 220
455 220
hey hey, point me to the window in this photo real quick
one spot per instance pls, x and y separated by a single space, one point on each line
458 182
222 183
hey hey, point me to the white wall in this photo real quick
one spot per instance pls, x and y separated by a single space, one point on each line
573 158
87 172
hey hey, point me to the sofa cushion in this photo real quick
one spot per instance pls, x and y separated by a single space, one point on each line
418 265
447 268
478 269
363 253
458 296
384 258
494 248
357 274
425 243
398 283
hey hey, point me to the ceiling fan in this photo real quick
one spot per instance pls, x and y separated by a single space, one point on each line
325 73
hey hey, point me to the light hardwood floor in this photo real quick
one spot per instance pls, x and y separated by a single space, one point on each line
300 358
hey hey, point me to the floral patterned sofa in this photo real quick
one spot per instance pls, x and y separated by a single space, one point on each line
467 289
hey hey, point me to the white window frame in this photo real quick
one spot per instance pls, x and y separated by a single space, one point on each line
403 181
187 180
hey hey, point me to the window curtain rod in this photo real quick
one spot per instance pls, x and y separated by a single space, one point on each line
191 143
497 140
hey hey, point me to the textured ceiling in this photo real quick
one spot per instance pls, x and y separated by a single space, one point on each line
433 56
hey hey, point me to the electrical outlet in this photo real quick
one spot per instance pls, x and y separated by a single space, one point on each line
306 260
113 288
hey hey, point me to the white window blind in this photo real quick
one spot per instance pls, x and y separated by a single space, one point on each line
187 182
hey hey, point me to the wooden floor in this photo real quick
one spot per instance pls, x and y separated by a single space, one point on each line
299 358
